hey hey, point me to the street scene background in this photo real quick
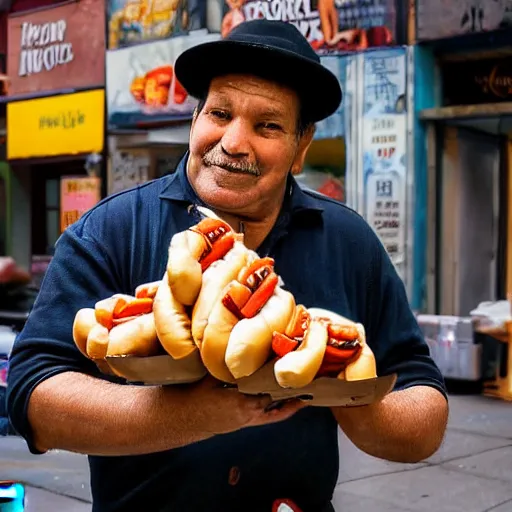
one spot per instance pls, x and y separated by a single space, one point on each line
421 148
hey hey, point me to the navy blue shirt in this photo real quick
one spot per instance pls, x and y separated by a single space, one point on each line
328 257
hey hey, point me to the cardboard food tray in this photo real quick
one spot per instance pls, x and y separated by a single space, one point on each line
158 370
322 392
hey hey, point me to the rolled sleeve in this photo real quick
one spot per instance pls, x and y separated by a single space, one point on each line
393 332
78 276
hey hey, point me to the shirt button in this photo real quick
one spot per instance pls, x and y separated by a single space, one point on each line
234 475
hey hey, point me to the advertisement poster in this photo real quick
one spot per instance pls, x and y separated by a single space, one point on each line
136 21
142 86
58 48
384 150
128 169
331 26
77 195
334 126
438 19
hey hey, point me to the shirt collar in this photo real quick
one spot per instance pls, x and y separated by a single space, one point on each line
178 188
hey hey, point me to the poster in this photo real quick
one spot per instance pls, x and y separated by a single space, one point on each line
77 195
128 169
384 150
136 21
438 19
334 126
141 85
331 26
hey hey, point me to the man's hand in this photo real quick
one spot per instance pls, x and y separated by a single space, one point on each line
216 410
406 426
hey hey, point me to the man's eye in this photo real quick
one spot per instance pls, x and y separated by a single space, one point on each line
271 126
219 114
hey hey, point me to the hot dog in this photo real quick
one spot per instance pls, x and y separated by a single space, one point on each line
318 343
84 321
148 290
118 325
215 279
218 330
192 251
268 309
238 335
172 322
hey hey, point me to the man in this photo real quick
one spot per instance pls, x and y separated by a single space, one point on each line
201 447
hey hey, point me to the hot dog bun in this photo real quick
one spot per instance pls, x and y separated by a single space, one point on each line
84 321
147 290
136 337
172 323
251 338
183 267
97 342
215 279
298 368
365 366
192 251
331 315
218 330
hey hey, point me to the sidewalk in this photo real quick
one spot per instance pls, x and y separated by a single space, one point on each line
472 472
39 500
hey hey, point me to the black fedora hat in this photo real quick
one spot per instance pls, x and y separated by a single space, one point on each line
273 50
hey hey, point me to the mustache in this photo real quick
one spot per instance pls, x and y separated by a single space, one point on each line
215 157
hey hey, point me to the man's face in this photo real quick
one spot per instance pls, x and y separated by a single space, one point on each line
243 143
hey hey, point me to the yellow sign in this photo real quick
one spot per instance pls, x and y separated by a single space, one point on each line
60 125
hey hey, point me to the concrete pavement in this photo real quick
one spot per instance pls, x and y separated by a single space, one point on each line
472 472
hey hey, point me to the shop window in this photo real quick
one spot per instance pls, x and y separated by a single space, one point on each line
324 168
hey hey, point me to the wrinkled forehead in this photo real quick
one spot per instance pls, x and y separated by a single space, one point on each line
254 92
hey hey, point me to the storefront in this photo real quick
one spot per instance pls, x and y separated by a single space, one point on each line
325 166
467 130
148 111
55 123
363 154
464 78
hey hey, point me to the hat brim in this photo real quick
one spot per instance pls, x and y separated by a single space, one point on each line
318 88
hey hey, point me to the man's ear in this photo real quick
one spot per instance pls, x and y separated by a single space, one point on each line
302 150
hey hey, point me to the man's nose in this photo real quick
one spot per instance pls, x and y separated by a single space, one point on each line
236 139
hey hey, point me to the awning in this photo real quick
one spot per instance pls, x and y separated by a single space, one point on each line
176 135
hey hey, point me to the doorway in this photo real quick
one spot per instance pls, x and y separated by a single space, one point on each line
470 229
46 203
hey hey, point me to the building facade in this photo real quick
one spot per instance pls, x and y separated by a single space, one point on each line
55 121
464 127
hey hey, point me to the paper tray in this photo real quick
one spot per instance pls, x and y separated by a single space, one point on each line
322 392
158 370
